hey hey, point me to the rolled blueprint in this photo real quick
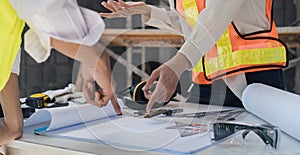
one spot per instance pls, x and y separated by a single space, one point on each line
278 107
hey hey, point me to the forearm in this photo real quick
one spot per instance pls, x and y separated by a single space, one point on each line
12 123
92 57
82 53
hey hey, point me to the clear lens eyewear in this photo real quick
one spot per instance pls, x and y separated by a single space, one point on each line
268 133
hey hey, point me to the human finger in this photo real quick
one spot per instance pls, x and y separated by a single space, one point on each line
109 15
106 15
104 98
150 81
112 5
98 98
123 4
158 96
115 104
108 5
91 86
88 94
148 94
117 6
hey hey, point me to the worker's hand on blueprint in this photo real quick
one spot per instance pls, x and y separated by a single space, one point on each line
168 75
95 67
165 87
100 73
123 9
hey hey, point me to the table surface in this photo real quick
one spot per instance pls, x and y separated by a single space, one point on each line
33 144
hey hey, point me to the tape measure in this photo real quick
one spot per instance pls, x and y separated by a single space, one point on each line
138 100
38 100
137 93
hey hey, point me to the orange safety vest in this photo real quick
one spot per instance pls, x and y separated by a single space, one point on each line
235 53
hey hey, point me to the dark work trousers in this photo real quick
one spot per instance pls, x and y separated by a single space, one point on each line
219 94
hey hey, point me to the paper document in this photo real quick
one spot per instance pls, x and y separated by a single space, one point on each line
101 125
278 107
70 115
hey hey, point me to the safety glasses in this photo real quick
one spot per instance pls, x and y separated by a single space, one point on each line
270 135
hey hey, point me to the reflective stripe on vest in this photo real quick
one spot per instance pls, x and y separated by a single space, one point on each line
11 28
234 54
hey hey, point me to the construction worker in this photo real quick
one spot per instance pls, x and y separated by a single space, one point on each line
70 29
235 41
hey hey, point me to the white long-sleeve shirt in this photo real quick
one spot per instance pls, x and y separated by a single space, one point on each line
60 19
248 16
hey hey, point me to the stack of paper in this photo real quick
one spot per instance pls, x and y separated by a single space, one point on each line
101 125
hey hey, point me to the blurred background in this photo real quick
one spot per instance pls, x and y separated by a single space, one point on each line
58 71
